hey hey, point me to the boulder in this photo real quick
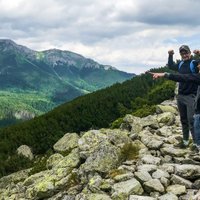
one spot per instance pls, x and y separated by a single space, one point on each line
68 142
25 151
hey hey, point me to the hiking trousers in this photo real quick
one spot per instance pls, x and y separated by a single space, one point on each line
197 128
186 109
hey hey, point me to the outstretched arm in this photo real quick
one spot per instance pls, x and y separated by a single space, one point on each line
193 78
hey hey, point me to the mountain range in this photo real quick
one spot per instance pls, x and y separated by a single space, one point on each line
34 82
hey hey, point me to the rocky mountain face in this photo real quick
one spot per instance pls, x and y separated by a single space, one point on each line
29 69
42 80
138 161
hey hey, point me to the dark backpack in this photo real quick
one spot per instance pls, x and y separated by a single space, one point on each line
192 68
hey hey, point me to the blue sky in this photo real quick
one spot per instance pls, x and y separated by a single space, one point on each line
131 35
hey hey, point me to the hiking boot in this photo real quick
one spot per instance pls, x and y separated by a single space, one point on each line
195 151
182 145
198 147
193 147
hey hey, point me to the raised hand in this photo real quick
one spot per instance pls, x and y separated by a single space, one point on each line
171 52
196 51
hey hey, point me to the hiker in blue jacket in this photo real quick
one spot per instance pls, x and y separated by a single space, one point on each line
186 92
188 78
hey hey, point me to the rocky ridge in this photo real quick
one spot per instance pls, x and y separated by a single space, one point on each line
138 161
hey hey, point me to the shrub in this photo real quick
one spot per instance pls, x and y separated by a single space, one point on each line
145 111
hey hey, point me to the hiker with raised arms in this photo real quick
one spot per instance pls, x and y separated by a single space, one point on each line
193 78
186 92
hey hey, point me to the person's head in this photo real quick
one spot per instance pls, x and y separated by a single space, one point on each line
185 52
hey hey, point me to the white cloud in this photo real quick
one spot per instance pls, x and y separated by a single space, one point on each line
131 35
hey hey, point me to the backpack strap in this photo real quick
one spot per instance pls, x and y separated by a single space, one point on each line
192 68
180 64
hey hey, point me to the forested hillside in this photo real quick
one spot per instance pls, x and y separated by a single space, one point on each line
95 110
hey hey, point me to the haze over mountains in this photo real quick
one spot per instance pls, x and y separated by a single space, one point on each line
33 82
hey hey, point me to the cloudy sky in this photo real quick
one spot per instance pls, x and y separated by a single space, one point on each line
131 35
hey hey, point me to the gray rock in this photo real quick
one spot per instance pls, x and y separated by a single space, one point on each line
53 160
126 188
189 195
94 184
131 122
123 177
155 194
160 173
72 160
197 196
136 197
152 142
154 185
168 196
117 137
168 167
14 178
181 181
176 189
127 168
165 182
90 141
137 124
68 142
92 197
172 139
167 118
188 171
170 102
143 176
170 150
104 158
147 167
166 108
167 159
149 159
165 131
150 121
196 184
25 151
62 196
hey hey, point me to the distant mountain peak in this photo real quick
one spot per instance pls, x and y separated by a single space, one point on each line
7 41
10 45
61 65
54 56
64 57
7 44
